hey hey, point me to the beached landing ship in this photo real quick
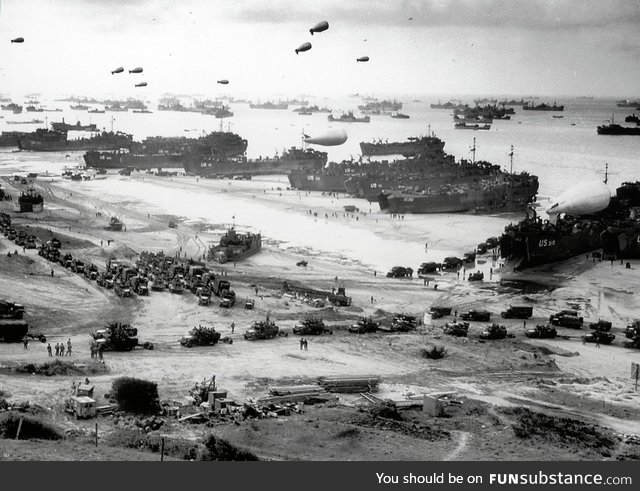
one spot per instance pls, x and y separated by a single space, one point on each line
165 152
234 246
293 159
587 220
411 147
56 141
73 127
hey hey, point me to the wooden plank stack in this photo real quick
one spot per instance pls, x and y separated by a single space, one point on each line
350 385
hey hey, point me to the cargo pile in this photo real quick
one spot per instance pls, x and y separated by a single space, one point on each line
349 385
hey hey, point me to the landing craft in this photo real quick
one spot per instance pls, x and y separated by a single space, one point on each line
117 70
223 81
303 47
18 40
136 70
363 58
582 199
319 27
141 84
329 138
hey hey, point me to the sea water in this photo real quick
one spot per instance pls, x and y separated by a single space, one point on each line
560 151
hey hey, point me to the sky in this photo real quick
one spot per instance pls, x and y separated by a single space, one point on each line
421 47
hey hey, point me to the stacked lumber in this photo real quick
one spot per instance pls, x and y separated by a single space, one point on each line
294 389
350 384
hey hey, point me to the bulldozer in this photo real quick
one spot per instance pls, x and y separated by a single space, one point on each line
542 331
263 330
200 336
364 325
460 329
311 326
494 331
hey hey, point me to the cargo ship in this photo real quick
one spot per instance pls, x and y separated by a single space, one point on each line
381 106
235 247
292 160
43 140
448 105
12 107
628 103
11 138
411 147
348 118
463 125
312 109
542 107
29 201
73 127
613 227
168 152
616 129
501 192
269 105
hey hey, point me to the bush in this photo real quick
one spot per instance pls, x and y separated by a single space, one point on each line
385 409
181 449
60 367
434 352
219 449
136 395
31 427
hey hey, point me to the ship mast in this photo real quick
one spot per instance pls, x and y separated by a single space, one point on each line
473 152
511 161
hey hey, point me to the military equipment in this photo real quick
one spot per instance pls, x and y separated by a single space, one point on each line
200 336
601 325
477 276
476 315
262 330
542 331
81 406
437 312
494 331
460 329
115 337
599 337
403 323
364 325
311 326
517 312
10 310
399 272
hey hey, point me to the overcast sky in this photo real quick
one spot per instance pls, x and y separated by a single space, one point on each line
502 47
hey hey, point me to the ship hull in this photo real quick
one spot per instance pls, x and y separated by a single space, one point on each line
250 167
305 181
404 148
117 160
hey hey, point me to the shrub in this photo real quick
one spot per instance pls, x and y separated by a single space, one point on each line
385 409
348 433
434 352
60 367
219 449
136 395
32 427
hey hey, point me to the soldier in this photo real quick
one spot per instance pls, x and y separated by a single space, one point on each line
52 272
25 343
49 349
306 344
100 350
69 347
301 343
233 326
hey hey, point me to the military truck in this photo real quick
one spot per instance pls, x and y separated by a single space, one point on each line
227 298
311 326
81 406
477 276
481 248
116 337
494 331
364 325
476 315
600 337
200 336
632 330
77 266
451 262
542 331
122 290
220 285
437 312
403 323
634 343
10 310
204 298
91 271
517 312
249 303
262 330
601 325
426 268
455 328
565 320
400 272
140 285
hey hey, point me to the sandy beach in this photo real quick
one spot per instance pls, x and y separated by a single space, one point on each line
562 376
